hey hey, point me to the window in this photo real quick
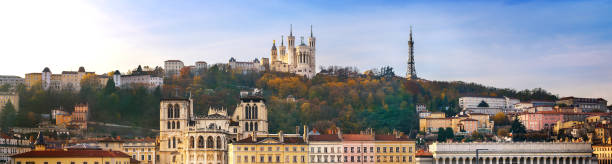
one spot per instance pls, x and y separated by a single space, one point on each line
352 149
269 158
71 162
277 158
261 158
403 149
149 158
365 149
397 149
378 149
142 157
83 162
391 149
371 149
303 159
294 159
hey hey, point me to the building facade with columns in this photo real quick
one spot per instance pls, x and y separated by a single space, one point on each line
512 152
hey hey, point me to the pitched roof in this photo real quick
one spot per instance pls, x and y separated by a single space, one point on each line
357 137
324 137
72 153
286 140
382 137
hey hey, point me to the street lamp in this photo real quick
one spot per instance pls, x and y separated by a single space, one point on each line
477 150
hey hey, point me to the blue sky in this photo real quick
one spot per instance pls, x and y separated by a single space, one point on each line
562 46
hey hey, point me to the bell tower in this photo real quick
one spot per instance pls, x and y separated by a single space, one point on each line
274 52
291 47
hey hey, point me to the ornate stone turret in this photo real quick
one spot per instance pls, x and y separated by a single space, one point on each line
274 52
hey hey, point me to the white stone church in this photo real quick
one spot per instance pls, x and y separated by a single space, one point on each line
294 59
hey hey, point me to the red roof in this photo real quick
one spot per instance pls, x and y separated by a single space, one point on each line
423 154
357 137
71 153
390 138
324 137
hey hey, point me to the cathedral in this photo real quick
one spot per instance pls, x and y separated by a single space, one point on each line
188 138
294 59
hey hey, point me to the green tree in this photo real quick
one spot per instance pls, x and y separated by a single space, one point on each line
449 133
483 104
110 86
7 116
441 134
500 119
518 130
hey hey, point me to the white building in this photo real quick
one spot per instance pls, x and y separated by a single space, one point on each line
244 67
512 152
484 110
299 59
173 67
493 102
65 80
10 146
136 79
11 80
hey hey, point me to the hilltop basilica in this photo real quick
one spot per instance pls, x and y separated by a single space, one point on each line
299 60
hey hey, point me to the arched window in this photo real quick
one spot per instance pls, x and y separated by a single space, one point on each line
251 127
246 112
169 144
169 125
170 110
246 127
211 126
173 142
255 112
191 142
200 142
256 127
209 142
178 125
177 111
218 142
173 125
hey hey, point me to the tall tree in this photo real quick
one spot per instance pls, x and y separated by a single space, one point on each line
7 116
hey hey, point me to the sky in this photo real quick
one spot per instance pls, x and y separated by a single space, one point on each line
562 46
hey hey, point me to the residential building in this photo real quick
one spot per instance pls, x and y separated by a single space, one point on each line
325 148
270 148
11 80
540 120
512 152
396 148
77 119
493 102
421 108
300 59
142 149
359 148
138 79
42 155
173 67
586 104
6 97
484 110
11 145
32 79
461 124
603 153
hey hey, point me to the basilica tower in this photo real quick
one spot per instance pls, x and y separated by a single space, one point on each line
291 47
274 52
312 44
282 50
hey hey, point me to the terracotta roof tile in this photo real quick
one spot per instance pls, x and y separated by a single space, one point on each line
390 138
357 137
72 153
324 137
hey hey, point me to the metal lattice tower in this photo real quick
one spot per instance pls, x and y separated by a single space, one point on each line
411 72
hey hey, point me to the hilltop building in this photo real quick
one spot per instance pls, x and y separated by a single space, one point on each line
6 97
300 59
586 104
138 78
12 81
492 102
65 80
254 66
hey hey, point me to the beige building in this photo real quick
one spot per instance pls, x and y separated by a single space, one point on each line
493 102
254 66
65 80
32 79
173 67
269 148
6 97
461 124
188 138
299 59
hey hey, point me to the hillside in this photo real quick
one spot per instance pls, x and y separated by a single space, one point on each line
337 97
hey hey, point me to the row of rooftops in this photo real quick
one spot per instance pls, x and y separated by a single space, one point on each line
327 138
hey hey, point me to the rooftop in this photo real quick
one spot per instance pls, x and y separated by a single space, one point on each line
324 137
75 153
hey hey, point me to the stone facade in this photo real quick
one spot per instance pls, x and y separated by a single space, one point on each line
300 60
512 152
188 138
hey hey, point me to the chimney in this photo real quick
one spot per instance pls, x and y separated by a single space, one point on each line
281 136
339 132
305 135
254 137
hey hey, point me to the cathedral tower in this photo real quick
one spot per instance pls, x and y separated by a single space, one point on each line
312 44
282 50
411 72
291 47
273 52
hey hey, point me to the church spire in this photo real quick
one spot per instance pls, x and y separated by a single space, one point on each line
282 40
311 35
290 29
